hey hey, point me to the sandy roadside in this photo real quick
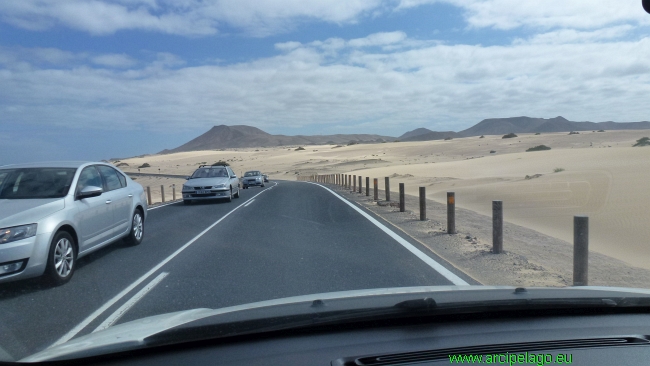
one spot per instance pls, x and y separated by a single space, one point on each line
530 258
591 173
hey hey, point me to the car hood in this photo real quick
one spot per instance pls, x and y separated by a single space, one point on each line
202 182
135 334
14 212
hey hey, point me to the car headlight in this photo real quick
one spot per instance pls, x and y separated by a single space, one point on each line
10 234
220 186
187 188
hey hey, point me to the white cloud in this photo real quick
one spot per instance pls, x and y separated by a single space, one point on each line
378 39
451 86
565 36
114 60
579 14
187 17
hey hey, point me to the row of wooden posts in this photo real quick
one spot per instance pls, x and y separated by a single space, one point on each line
162 194
580 223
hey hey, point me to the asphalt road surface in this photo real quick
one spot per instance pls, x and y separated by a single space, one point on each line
286 239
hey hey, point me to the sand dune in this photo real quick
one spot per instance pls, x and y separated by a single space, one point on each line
603 177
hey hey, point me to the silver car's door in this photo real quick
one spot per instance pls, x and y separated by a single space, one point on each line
93 216
234 182
121 199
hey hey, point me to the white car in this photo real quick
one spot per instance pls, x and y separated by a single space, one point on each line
53 213
211 182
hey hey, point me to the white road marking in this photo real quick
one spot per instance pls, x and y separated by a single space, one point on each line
129 304
425 258
251 201
117 297
159 206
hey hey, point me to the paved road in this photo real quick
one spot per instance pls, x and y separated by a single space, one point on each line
287 239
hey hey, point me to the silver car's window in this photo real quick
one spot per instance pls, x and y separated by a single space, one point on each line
122 179
110 177
210 173
89 177
35 182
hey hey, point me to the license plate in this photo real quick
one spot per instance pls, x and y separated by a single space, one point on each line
203 192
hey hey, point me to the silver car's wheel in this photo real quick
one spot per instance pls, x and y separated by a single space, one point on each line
229 199
61 259
137 229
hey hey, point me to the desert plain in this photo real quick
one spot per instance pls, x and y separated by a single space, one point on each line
598 174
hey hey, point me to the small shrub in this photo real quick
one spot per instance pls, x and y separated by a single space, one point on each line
337 146
537 133
396 141
352 143
557 170
493 152
539 148
643 141
145 165
448 138
600 131
220 163
509 136
300 148
482 137
532 176
122 164
574 133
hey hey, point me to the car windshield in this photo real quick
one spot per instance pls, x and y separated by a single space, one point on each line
35 182
406 143
210 173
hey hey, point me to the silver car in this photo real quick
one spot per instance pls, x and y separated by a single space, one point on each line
252 178
51 214
210 182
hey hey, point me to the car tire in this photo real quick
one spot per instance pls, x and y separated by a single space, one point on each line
63 253
136 234
229 198
237 194
262 185
187 202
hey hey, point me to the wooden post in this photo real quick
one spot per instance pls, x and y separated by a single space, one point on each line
375 183
173 192
148 195
162 192
401 198
451 213
580 250
360 181
497 227
367 186
354 183
387 188
423 204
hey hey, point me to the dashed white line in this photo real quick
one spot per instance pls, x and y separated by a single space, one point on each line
119 296
129 304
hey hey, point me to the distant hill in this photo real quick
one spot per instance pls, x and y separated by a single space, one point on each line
502 126
223 137
431 135
416 132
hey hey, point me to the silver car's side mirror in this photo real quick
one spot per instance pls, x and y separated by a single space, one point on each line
233 176
90 191
187 178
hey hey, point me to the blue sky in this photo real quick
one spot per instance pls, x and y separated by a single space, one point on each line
93 79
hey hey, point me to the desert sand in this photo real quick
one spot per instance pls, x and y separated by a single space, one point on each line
599 174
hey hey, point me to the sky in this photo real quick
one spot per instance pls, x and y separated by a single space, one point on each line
99 79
